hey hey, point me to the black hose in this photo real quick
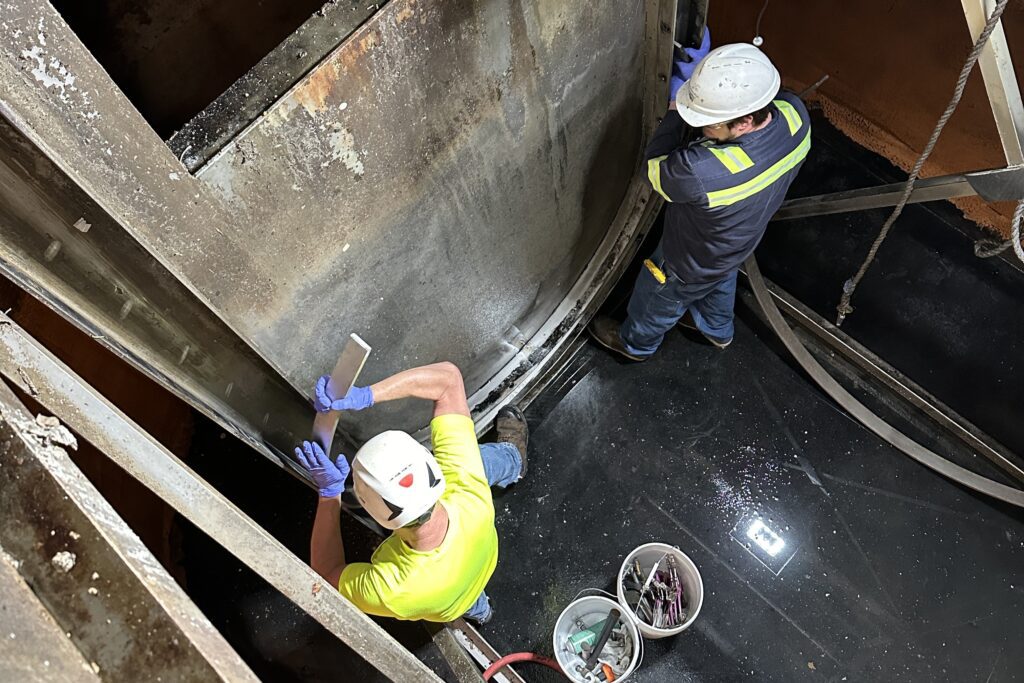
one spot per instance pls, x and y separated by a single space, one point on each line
610 623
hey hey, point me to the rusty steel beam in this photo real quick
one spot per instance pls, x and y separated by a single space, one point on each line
250 95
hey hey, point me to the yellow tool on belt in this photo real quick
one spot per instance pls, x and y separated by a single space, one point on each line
657 272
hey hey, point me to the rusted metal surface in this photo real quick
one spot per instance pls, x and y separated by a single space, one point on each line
102 586
250 95
455 181
33 369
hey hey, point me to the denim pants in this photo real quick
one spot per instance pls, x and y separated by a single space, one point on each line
655 307
502 465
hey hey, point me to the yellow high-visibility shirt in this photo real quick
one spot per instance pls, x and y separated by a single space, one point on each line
439 584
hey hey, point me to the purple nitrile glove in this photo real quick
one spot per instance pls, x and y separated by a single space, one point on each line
328 476
357 398
675 83
691 56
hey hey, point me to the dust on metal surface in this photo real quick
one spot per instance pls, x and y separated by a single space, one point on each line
115 601
439 181
107 284
250 95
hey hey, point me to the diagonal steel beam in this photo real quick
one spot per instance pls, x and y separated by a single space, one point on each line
1000 80
25 363
1000 184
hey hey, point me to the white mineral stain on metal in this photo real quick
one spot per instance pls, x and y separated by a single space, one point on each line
343 149
64 561
52 73
52 250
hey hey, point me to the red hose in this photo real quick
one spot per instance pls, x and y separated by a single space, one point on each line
520 657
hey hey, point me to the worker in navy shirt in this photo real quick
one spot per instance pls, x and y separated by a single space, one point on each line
722 190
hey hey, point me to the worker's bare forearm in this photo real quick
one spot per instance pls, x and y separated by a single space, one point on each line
439 382
326 551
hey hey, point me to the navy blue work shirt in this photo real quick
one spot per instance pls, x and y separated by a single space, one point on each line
722 195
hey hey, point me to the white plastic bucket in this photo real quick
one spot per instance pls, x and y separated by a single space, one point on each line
693 586
590 610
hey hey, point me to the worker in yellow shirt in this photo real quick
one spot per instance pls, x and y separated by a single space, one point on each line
444 547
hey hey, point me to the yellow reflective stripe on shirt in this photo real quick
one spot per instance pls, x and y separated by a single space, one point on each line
732 195
733 158
789 113
654 175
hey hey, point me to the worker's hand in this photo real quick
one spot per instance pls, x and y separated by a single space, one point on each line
357 398
691 56
328 476
675 83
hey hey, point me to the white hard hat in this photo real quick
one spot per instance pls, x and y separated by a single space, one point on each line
730 82
396 479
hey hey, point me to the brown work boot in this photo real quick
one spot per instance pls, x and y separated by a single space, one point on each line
510 424
605 332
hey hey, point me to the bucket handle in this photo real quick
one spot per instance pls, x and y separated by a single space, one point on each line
606 594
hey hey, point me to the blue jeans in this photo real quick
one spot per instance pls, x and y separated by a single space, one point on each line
502 465
655 307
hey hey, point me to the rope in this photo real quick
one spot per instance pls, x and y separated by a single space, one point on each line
988 247
849 287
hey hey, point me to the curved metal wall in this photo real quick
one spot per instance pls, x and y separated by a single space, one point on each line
456 180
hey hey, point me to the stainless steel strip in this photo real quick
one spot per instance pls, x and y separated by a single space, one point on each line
343 377
862 413
945 417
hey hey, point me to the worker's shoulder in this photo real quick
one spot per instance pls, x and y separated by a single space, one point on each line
786 99
704 160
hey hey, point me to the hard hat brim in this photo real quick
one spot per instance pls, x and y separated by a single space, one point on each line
697 119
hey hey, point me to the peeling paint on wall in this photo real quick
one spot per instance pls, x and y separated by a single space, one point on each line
50 71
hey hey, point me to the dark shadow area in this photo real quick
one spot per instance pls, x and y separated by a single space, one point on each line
173 57
928 306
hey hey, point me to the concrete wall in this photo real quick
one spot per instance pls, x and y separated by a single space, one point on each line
892 68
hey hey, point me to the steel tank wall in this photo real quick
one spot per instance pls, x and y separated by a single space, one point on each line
437 183
456 180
